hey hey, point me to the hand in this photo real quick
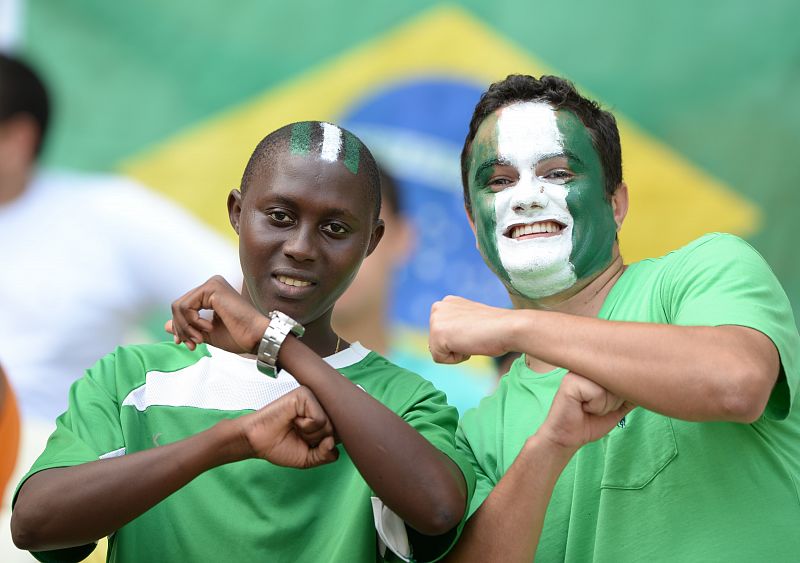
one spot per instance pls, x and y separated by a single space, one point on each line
237 326
293 431
582 411
460 327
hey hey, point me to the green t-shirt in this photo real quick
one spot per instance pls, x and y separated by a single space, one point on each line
142 396
658 488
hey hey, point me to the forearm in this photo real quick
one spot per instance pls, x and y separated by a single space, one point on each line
414 479
508 524
687 372
69 506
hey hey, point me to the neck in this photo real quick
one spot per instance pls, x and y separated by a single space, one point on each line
369 329
12 184
584 298
319 335
321 338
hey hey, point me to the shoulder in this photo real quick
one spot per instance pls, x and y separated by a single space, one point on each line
73 184
380 372
128 365
713 248
400 389
704 263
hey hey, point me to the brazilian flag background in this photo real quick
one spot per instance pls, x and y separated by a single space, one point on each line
178 93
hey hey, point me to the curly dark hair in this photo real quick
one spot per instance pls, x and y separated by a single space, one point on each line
560 94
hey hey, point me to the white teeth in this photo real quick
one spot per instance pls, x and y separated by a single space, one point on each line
541 227
292 281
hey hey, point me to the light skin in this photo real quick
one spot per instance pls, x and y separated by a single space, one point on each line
534 168
692 373
581 412
305 220
19 137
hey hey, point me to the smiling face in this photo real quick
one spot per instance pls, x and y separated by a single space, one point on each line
541 216
305 224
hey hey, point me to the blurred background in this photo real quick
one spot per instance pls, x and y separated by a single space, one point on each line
175 95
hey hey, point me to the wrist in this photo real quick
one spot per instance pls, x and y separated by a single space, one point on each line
518 336
230 442
544 446
259 327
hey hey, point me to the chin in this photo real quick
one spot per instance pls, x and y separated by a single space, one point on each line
543 280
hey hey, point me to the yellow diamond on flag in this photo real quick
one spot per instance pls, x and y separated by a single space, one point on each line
672 201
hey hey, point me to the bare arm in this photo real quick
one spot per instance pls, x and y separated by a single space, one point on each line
415 480
508 524
688 372
70 506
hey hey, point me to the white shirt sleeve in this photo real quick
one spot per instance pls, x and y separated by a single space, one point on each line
391 530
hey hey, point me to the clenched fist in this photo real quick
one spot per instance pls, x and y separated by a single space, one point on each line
460 328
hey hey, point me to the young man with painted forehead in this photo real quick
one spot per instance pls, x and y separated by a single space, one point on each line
703 340
163 445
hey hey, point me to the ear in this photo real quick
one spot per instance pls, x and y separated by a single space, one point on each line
619 203
377 235
235 208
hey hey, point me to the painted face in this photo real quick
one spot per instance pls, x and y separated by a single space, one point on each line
538 200
304 225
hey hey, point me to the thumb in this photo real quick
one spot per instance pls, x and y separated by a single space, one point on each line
325 452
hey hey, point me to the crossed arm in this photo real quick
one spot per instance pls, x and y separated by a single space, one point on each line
694 373
688 372
71 506
413 478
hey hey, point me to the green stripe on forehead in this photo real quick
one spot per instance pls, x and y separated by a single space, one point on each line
300 142
352 152
326 141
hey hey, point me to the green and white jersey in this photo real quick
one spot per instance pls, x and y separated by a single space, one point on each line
140 397
658 488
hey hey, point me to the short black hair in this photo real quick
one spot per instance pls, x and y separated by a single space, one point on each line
353 153
560 93
23 92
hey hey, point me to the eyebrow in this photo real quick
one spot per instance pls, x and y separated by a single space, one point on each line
489 164
280 199
565 153
505 162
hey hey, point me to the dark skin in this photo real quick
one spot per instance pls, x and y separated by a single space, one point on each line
314 222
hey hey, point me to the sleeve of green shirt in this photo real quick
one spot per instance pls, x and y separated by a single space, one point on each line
722 280
484 481
88 430
427 412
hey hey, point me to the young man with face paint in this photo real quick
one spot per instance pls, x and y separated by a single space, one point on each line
163 445
703 340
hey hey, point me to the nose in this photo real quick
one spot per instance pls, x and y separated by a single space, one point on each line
528 194
299 245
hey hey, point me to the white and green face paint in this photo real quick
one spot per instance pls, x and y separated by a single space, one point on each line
538 200
332 142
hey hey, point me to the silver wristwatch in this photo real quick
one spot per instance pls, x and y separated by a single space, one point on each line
280 325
